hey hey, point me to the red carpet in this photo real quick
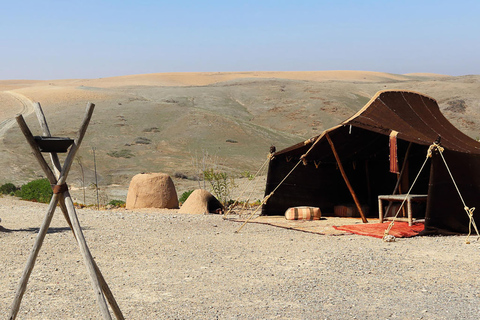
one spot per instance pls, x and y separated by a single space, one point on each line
399 229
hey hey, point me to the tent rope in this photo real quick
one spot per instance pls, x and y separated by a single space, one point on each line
435 146
269 157
468 210
386 236
265 199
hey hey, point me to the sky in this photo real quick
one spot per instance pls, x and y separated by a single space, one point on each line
46 40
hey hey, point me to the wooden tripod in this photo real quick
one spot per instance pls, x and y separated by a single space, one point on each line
61 196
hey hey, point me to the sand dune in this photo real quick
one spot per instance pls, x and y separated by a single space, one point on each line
68 90
71 90
426 74
206 78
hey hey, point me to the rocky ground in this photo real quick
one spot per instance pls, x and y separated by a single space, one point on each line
165 265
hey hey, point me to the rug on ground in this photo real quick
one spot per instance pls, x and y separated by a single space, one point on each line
377 230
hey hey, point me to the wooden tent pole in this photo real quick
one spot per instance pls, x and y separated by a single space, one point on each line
345 178
404 164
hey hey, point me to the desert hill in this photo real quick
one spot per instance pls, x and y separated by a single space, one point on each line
174 122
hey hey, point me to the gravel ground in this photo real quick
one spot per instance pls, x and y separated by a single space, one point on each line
165 265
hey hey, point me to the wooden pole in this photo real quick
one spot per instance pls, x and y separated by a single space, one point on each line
57 167
56 163
76 144
345 178
22 286
66 204
54 159
108 294
87 256
34 146
73 215
399 177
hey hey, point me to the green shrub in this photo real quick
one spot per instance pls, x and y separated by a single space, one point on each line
221 184
248 175
117 203
184 196
8 188
37 190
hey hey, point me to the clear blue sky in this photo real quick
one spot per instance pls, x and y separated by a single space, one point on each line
92 39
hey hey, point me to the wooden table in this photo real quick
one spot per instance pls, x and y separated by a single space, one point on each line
400 198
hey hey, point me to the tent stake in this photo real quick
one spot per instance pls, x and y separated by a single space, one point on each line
345 178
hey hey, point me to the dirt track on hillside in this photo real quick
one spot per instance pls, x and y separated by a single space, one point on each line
165 265
7 117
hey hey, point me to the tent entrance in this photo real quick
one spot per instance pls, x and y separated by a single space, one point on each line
365 158
370 176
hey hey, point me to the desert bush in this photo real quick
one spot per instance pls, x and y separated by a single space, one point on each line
142 140
117 203
8 188
180 175
248 175
124 153
185 196
37 190
221 184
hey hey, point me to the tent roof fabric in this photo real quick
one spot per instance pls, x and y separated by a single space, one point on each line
416 118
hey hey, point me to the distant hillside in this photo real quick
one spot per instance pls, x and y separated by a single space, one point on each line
170 122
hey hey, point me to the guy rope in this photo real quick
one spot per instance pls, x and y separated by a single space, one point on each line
434 147
247 187
270 156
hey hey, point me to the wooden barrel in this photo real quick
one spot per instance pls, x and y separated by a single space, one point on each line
303 213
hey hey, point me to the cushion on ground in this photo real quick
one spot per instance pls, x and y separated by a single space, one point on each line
303 213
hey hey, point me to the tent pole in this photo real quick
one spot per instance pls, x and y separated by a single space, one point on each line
399 177
345 178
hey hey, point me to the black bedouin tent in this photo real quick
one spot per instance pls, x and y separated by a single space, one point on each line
393 131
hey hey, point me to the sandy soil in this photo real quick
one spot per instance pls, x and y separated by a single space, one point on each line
165 265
